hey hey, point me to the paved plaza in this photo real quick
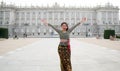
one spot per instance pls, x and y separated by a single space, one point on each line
42 56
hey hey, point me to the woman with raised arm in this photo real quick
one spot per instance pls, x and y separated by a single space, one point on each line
64 45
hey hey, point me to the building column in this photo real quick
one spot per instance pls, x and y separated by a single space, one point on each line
64 14
75 17
53 16
25 17
112 17
20 19
91 18
30 18
106 18
118 17
47 15
59 17
36 18
3 17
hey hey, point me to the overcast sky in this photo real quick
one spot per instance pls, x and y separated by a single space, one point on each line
62 2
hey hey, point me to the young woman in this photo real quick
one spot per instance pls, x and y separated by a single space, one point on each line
64 45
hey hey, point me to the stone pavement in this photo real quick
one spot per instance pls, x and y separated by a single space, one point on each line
42 56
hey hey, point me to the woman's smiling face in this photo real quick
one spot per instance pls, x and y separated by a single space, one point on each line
64 27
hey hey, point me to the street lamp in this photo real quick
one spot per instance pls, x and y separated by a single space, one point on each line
97 29
86 24
14 30
106 26
15 27
26 24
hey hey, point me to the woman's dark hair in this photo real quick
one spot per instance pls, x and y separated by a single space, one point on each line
65 24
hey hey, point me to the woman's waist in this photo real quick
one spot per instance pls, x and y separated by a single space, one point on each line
64 40
63 45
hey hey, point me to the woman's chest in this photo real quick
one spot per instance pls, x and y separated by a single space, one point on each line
64 35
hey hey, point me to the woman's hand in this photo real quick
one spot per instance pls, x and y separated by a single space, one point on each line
83 20
44 21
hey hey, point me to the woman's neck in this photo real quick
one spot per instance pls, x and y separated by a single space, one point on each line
64 30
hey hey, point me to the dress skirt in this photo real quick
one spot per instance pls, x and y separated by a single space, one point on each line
65 57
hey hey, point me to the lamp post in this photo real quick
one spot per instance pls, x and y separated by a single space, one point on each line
8 29
106 26
86 24
15 25
97 28
14 30
26 24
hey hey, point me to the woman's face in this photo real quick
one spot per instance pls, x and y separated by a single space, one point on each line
64 27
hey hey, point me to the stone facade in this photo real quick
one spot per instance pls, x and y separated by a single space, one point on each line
27 20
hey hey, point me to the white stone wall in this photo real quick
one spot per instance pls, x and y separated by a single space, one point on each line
28 20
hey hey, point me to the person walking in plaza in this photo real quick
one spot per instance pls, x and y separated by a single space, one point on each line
64 45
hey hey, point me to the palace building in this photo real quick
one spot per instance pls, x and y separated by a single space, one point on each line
27 20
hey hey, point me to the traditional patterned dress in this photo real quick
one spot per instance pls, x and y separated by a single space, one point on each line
64 48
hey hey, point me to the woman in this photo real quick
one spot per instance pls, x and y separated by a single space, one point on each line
64 45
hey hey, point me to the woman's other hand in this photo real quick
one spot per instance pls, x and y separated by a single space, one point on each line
83 20
44 21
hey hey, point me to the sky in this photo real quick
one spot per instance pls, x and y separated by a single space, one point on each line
62 2
77 3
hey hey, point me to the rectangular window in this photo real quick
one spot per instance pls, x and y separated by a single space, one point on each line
67 15
0 22
50 14
61 15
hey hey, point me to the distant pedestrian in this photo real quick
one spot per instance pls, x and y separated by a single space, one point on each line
15 37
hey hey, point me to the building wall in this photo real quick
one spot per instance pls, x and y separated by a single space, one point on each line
28 20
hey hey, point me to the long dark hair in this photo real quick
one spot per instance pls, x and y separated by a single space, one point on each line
65 24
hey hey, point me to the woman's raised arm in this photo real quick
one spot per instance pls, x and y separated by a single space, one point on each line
48 24
73 27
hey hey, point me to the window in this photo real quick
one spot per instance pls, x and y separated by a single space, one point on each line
103 15
44 15
22 18
56 15
17 13
50 14
39 13
23 13
28 13
110 22
67 15
83 14
7 22
1 12
7 14
61 14
72 14
78 15
28 16
0 22
103 22
33 13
